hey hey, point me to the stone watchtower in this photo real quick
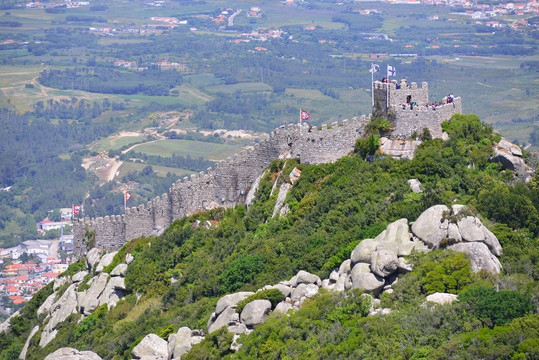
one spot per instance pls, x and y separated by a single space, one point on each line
408 107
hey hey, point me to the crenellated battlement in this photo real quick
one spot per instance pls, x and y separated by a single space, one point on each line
226 184
408 107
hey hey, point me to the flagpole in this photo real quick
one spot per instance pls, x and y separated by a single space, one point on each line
387 90
372 84
125 204
299 123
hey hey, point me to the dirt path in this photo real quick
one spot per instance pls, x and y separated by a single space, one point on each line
114 169
134 146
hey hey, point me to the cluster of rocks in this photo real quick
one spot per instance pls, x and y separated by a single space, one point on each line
374 265
458 230
153 347
300 287
283 191
102 288
72 354
509 156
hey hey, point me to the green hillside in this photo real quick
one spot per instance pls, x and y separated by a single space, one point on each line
176 279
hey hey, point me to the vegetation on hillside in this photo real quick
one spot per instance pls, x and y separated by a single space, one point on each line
332 208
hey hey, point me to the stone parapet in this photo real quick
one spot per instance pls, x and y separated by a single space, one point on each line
224 185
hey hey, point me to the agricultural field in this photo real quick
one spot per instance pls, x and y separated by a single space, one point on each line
194 149
159 170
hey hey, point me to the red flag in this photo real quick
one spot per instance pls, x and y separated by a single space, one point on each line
304 115
76 209
128 196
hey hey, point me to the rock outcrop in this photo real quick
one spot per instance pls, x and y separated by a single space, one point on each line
182 341
430 227
509 156
60 310
101 289
151 345
480 256
373 267
442 298
255 312
72 354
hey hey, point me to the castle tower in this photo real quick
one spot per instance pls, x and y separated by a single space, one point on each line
408 107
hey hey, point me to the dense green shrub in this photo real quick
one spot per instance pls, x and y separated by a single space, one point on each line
436 271
272 295
496 308
241 271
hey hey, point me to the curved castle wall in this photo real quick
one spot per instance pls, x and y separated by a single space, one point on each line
229 181
225 185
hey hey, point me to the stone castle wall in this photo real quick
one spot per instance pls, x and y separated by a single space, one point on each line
408 120
228 182
225 185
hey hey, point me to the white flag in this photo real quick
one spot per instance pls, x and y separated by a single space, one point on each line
391 71
375 68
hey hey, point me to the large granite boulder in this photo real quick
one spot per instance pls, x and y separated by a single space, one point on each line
303 277
430 226
89 300
151 345
304 290
60 310
453 232
72 354
78 277
362 252
119 270
255 312
283 307
285 290
513 149
230 300
93 256
106 260
510 157
480 256
113 292
471 229
384 262
442 298
365 280
227 316
346 267
179 343
397 232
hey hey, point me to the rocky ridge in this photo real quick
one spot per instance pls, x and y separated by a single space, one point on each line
80 293
373 267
